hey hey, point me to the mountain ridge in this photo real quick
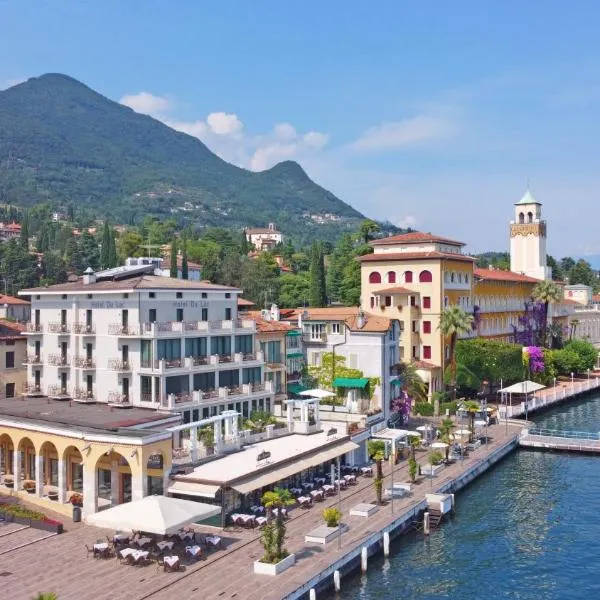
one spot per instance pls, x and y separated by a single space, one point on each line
63 142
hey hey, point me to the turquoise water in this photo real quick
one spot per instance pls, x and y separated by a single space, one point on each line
529 529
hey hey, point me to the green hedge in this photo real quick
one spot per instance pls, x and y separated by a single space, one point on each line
451 406
424 409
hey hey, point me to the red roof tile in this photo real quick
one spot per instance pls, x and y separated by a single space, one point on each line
9 330
415 237
12 300
423 364
499 275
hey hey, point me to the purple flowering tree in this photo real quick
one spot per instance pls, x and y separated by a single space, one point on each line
531 328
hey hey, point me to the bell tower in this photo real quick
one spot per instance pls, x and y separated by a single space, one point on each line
528 239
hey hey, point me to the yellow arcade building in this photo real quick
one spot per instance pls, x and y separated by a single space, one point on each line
51 449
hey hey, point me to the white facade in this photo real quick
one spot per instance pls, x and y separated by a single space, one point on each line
579 293
263 238
146 341
528 240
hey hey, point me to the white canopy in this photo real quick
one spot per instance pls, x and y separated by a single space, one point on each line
317 393
523 387
439 445
153 514
424 427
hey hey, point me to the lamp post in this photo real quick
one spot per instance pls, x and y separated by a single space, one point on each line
339 476
391 458
554 379
572 383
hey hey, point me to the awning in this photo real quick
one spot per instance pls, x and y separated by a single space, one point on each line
351 382
294 332
190 488
295 388
283 472
295 355
396 382
523 387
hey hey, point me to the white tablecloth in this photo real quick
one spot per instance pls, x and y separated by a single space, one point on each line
165 544
143 541
101 547
171 560
193 550
214 540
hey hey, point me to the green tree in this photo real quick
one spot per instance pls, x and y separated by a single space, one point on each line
73 256
90 254
331 367
557 272
208 254
24 236
546 292
446 427
350 292
294 290
454 321
582 273
184 260
130 244
173 272
113 259
472 407
367 228
412 382
588 354
318 294
566 264
260 279
46 596
342 254
53 268
376 450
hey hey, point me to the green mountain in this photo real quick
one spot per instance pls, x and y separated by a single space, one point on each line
64 143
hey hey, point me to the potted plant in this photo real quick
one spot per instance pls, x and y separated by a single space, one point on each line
76 500
332 516
435 458
207 436
29 486
276 558
9 481
377 453
413 467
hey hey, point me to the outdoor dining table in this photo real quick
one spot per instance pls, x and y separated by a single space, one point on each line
350 478
296 491
100 549
367 470
164 544
320 480
260 521
143 541
186 535
257 509
194 551
328 489
304 501
121 537
317 495
308 485
283 511
171 561
213 540
136 554
341 482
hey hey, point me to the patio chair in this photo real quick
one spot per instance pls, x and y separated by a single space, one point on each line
90 551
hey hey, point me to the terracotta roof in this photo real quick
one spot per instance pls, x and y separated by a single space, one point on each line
394 290
331 313
254 230
244 302
569 301
399 256
415 237
140 282
12 300
10 330
499 275
10 226
372 324
423 364
596 298
264 326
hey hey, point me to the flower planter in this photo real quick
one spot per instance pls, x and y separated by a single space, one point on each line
261 568
9 484
324 534
30 490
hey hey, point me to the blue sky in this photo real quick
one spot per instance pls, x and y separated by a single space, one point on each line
433 115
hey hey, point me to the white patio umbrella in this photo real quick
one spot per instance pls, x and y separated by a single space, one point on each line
317 393
423 427
480 423
462 432
439 445
153 514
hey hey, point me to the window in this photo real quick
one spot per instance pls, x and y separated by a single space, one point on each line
228 314
178 294
152 295
64 296
10 360
391 277
125 296
426 301
10 390
452 277
168 349
204 316
426 326
414 352
446 301
152 315
374 277
413 301
415 327
425 277
243 343
89 296
220 344
408 277
335 328
372 301
204 295
388 300
401 325
426 351
196 347
179 316
227 295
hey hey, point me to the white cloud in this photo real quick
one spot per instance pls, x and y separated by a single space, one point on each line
398 134
222 123
285 131
147 104
406 221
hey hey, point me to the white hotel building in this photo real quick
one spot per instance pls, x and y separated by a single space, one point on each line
132 339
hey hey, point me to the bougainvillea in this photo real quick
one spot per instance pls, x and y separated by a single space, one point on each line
531 328
533 359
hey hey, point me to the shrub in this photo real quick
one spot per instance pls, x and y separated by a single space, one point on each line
450 406
588 355
28 484
332 516
424 409
435 457
413 467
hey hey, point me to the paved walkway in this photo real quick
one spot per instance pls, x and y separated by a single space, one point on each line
59 564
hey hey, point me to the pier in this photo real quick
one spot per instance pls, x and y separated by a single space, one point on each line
566 441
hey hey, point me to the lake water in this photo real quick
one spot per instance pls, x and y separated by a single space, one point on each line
528 529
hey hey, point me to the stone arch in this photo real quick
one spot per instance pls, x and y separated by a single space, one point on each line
391 277
425 276
73 462
530 217
7 448
113 472
50 456
27 456
521 217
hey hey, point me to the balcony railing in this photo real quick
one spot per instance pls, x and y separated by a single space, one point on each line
30 389
258 387
33 359
83 395
34 328
120 329
225 358
118 398
58 360
117 364
58 391
59 328
210 393
157 328
200 360
84 328
249 356
294 376
82 362
182 397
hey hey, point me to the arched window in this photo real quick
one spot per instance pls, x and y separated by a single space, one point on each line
530 217
452 277
408 277
374 277
425 277
521 218
391 277
466 278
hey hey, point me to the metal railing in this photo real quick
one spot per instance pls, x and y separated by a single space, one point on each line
57 391
84 328
83 394
117 398
82 362
117 364
59 328
34 328
58 360
120 329
561 433
33 359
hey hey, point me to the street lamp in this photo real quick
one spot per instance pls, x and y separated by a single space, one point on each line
339 476
572 382
554 379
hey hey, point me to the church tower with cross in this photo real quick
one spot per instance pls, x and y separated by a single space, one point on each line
528 239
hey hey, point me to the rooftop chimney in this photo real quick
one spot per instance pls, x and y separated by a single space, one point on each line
89 276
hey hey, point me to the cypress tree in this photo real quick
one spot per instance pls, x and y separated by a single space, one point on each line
25 231
184 260
105 248
173 271
113 259
318 295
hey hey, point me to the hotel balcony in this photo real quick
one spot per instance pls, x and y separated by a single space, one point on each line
275 361
84 329
202 363
33 359
211 397
59 328
34 328
59 360
119 400
193 328
83 396
82 362
309 338
57 392
121 330
119 365
32 390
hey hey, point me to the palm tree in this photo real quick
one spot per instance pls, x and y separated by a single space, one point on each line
274 532
446 427
412 382
472 407
367 227
454 321
377 453
546 291
574 323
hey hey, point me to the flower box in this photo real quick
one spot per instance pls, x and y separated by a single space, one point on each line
324 534
262 568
